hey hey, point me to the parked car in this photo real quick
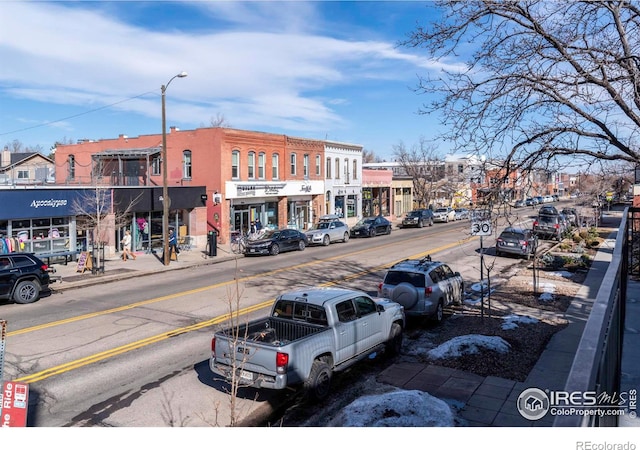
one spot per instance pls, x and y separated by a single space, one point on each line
518 204
531 201
276 241
329 229
517 241
371 226
548 209
24 278
418 218
424 287
444 215
310 334
572 216
461 214
549 226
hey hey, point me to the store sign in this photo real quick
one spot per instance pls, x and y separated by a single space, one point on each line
14 401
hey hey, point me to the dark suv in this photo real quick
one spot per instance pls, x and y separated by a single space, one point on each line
516 241
23 277
418 218
549 226
424 287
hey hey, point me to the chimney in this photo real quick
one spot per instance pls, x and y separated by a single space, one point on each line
5 160
172 129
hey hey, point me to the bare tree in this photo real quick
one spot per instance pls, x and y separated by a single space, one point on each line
425 167
98 215
368 156
544 79
219 121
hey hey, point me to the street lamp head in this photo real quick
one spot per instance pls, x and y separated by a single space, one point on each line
182 74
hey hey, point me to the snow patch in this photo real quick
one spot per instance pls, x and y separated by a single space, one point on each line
512 320
468 344
398 408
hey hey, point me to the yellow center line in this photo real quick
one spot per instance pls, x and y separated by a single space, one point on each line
81 362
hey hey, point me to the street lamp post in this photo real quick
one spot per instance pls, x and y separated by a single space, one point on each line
165 186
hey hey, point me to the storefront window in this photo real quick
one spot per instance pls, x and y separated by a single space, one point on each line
352 206
272 214
42 235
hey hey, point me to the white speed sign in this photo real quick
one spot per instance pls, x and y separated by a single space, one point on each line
481 228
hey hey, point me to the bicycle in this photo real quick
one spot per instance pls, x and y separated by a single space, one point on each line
238 244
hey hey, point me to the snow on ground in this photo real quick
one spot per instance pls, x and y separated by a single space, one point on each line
397 408
512 320
468 344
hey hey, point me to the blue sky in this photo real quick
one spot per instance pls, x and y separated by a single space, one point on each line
326 70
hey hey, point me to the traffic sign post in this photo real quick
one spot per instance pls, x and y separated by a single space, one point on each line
481 226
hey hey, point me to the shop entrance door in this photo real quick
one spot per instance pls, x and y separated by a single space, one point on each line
241 220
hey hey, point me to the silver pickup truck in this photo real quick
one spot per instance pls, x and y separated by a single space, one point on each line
309 335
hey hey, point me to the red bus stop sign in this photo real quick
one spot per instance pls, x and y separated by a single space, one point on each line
14 401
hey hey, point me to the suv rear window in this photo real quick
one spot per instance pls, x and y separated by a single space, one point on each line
548 219
512 235
394 278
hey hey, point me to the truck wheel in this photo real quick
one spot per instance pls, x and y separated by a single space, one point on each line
26 292
437 317
319 381
395 340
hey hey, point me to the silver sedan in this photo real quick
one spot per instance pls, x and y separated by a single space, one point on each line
327 232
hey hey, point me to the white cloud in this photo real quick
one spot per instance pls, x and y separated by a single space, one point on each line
86 55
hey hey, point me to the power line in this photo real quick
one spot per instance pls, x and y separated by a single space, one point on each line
75 115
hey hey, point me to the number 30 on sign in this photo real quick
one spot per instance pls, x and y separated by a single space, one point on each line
481 228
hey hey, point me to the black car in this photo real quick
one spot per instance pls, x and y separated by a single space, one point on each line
23 277
418 218
276 241
371 226
517 241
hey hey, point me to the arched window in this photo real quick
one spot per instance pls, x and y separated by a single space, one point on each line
347 178
251 165
318 164
328 174
275 162
293 164
72 167
235 164
337 175
186 164
355 169
261 163
305 166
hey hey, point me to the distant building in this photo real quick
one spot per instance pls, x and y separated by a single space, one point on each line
26 168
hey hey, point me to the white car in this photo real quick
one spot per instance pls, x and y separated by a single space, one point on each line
444 215
329 229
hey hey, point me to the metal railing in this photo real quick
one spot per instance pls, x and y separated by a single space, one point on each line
597 364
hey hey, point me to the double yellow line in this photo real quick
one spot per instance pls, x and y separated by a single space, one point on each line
78 363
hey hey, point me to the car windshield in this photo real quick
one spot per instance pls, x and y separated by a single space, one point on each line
509 235
271 234
367 221
441 210
323 226
414 214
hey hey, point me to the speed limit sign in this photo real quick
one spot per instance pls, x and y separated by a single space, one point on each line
481 228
